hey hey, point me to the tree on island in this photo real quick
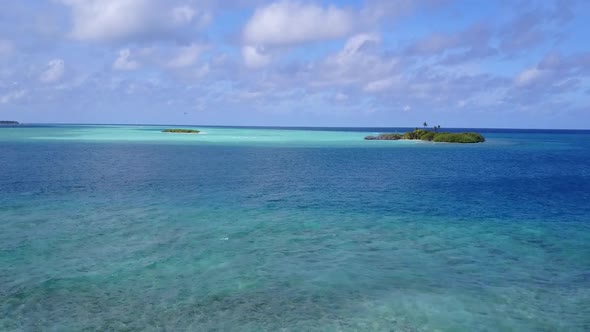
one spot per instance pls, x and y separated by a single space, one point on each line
425 124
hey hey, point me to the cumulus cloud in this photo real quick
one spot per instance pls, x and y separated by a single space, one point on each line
573 64
124 62
523 32
466 45
379 9
532 27
123 20
341 97
12 96
187 56
54 71
435 43
357 44
359 62
378 85
255 57
555 73
290 22
182 14
336 55
529 77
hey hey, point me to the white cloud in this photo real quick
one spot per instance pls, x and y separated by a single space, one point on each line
407 108
360 62
186 57
183 14
54 72
202 71
436 43
380 9
292 22
254 57
123 61
354 46
341 97
529 77
121 20
250 94
12 96
378 85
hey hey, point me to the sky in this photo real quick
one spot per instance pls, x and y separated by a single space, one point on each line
351 63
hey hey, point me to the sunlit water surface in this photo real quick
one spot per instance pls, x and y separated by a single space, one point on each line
261 229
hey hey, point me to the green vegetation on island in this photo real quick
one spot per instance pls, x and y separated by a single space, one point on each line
459 138
4 122
431 136
181 131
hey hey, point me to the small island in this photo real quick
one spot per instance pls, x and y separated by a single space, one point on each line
10 123
181 131
430 136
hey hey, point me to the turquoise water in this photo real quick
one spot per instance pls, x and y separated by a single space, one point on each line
127 228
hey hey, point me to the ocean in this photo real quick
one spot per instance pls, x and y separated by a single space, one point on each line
126 228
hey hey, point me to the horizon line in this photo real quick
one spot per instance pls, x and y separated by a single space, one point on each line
280 126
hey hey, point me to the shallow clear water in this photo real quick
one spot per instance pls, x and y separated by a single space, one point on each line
127 228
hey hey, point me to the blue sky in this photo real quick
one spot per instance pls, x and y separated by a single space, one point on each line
516 64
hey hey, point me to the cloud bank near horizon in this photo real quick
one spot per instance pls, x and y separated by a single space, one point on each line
296 62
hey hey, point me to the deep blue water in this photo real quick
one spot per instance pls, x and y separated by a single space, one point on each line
428 237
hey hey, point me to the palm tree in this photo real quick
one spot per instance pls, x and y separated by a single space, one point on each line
425 124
